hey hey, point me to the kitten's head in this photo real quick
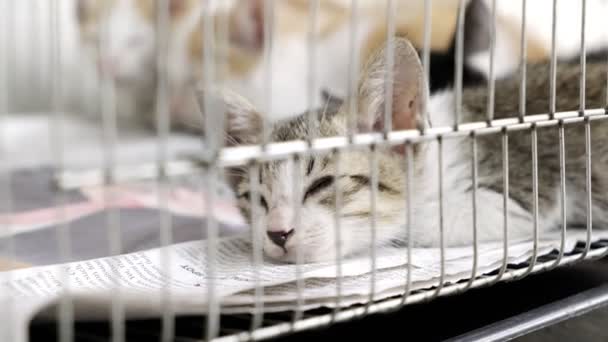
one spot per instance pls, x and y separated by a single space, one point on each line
128 53
304 214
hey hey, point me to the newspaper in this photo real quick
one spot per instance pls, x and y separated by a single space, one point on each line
146 281
142 283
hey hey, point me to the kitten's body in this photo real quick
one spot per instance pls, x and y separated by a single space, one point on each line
315 234
458 156
520 143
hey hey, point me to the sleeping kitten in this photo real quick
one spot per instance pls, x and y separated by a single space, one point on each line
318 179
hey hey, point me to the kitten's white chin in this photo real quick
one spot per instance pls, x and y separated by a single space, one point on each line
275 253
307 255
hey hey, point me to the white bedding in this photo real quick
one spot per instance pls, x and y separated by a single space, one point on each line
27 142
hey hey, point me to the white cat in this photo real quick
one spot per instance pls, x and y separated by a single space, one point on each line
119 39
278 199
539 23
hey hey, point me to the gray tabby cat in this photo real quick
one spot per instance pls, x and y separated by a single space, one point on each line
314 233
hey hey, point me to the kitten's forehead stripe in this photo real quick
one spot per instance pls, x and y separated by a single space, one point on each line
311 165
299 128
325 161
261 173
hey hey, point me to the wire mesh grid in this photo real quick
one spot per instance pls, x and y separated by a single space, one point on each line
297 156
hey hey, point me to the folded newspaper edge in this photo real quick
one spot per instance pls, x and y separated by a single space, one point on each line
181 276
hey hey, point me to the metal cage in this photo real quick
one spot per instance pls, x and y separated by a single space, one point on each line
44 80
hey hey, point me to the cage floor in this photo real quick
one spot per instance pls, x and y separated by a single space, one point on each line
437 320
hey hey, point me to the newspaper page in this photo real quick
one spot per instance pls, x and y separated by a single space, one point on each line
142 281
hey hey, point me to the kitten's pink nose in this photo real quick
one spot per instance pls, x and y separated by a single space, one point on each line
280 237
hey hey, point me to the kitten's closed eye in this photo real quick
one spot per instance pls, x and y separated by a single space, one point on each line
247 196
318 185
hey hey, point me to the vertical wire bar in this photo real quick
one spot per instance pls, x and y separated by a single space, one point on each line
441 219
113 224
353 71
222 39
583 52
459 60
300 281
163 183
46 66
523 65
297 203
223 53
254 171
110 135
505 204
312 96
426 48
24 81
268 46
6 198
312 64
373 164
589 192
18 80
534 257
214 127
582 108
492 81
257 245
12 51
213 315
34 47
337 230
409 183
65 307
390 69
563 198
474 179
553 65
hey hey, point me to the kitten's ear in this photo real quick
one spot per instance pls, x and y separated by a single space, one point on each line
409 89
243 124
247 24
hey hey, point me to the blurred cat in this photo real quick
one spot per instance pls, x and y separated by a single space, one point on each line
129 59
127 55
290 77
539 23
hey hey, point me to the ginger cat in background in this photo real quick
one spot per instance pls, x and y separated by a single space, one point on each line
129 58
289 85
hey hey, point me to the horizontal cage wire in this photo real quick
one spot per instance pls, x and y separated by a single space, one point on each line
249 169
